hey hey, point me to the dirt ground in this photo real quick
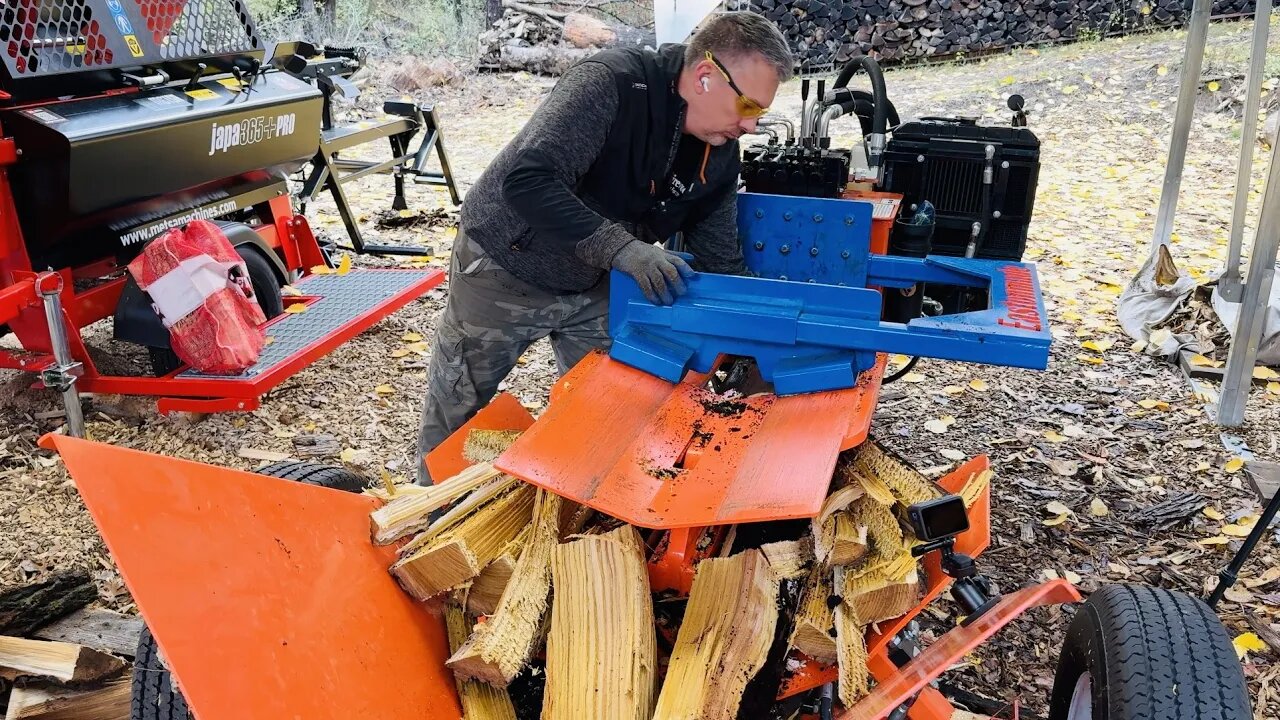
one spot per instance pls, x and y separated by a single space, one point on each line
1082 451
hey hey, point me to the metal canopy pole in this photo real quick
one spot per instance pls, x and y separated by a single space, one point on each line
1253 305
1197 36
1229 285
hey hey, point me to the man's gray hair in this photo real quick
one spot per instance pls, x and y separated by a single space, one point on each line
734 34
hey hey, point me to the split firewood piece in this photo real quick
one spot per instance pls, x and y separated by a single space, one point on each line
63 662
724 640
908 485
412 512
480 701
814 624
849 542
484 446
601 650
879 530
789 559
486 591
883 593
459 553
851 651
824 525
461 510
109 702
502 645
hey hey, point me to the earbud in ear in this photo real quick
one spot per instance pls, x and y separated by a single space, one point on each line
706 86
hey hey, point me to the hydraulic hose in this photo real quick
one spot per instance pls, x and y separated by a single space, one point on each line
880 111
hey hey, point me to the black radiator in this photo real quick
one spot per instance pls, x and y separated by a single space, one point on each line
946 161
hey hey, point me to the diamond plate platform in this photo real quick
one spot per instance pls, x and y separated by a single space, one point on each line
342 300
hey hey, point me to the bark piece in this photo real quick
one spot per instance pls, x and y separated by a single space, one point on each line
724 640
24 609
479 701
501 646
63 662
601 650
460 552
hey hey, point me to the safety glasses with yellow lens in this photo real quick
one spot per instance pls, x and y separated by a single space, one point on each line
747 107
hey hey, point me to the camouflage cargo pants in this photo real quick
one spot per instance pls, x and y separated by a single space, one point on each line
490 320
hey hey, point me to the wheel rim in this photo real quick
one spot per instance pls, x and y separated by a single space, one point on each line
1081 707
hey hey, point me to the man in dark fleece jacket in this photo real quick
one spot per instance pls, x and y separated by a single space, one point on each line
629 148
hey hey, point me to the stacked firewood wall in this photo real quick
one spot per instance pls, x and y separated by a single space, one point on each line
826 32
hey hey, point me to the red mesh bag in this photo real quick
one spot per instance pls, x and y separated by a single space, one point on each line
200 287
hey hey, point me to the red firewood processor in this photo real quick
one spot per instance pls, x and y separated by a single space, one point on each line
723 443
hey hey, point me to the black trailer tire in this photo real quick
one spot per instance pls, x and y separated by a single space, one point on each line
1141 653
266 287
154 695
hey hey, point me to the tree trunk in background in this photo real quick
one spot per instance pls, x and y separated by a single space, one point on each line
492 12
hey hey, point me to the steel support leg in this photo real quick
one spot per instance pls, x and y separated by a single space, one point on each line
1229 285
1238 379
61 377
1197 36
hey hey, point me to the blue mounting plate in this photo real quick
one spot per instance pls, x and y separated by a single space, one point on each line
813 336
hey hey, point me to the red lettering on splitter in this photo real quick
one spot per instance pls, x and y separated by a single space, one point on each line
1020 297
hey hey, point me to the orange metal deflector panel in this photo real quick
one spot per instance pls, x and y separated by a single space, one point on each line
662 455
266 596
504 412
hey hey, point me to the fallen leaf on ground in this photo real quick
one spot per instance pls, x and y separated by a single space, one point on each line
1153 404
399 352
411 337
1235 530
940 425
1057 507
1199 360
1098 346
296 308
385 390
1246 643
1266 578
1098 508
1264 373
1054 436
978 385
913 377
953 389
952 455
1055 521
1215 540
1233 465
1236 595
1212 513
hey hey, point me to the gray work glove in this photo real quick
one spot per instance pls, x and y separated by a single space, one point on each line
659 273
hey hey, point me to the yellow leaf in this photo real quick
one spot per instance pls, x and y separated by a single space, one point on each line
268 340
290 291
1233 465
1057 507
913 377
406 214
1153 404
399 352
978 385
451 233
296 308
344 265
1055 521
1162 70
411 337
1265 373
1201 361
953 389
1213 86
321 270
1098 346
1247 643
1212 513
347 455
385 390
1054 436
1072 316
1273 388
1236 530
417 347
1007 80
1215 540
1097 508
1090 359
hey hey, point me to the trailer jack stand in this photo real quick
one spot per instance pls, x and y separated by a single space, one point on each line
61 376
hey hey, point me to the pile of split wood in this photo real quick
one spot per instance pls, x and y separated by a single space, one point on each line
537 38
823 32
524 574
60 661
